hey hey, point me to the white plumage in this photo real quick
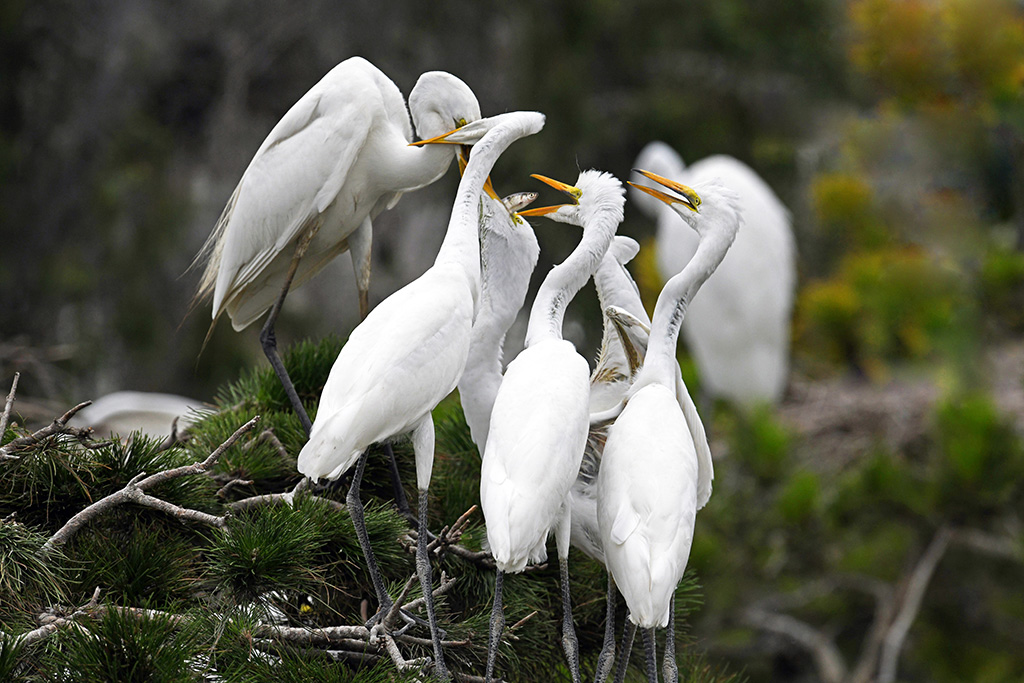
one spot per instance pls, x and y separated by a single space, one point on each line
337 158
651 481
738 329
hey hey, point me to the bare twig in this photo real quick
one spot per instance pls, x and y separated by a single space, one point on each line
989 544
58 426
827 658
7 407
401 663
133 492
223 491
389 618
444 585
348 636
912 597
279 499
269 435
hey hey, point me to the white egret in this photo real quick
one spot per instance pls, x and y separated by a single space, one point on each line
335 160
738 329
152 414
540 418
409 353
508 255
651 482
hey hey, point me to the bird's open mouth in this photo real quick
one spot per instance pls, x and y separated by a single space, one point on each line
574 194
685 194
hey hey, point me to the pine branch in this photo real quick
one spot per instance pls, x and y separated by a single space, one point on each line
133 492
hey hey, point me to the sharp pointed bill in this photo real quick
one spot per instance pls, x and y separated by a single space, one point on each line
686 194
574 194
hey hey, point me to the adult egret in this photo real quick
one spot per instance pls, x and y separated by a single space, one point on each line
335 160
651 482
508 255
409 353
152 414
540 419
738 328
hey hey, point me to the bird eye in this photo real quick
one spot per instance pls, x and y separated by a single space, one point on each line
576 192
460 123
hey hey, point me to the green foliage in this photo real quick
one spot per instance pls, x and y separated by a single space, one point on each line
843 204
127 647
28 576
762 443
1001 285
883 306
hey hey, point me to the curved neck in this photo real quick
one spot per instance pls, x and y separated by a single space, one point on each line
415 167
568 277
660 362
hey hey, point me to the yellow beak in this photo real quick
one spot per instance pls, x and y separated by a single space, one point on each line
574 194
688 197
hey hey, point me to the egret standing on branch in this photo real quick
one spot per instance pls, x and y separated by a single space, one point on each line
338 158
540 419
409 354
738 329
652 479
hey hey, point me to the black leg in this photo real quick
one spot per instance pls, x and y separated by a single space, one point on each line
355 511
401 502
569 642
606 659
628 633
423 569
669 668
497 626
650 648
269 339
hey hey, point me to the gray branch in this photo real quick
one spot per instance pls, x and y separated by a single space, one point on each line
7 407
133 492
912 597
58 426
827 658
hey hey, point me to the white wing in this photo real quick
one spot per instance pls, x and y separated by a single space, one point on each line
534 447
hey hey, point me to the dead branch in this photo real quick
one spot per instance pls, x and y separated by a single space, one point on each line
58 426
224 490
444 585
133 492
7 407
989 544
279 499
916 586
400 662
827 659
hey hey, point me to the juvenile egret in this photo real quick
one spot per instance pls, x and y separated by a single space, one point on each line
508 255
738 328
651 482
540 419
335 160
124 412
409 353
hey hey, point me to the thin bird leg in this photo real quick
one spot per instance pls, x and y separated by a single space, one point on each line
268 338
669 668
606 660
628 633
355 511
569 641
401 502
423 569
651 647
497 626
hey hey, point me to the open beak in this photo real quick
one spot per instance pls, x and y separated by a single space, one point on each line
452 138
633 334
686 195
574 194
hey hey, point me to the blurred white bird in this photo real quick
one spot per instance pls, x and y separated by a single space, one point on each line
540 418
152 414
335 160
651 481
409 353
738 329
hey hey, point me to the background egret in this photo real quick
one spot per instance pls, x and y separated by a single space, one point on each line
738 329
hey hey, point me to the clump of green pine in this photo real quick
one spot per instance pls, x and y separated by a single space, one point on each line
181 600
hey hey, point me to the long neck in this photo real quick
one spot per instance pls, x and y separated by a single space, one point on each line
461 243
675 297
416 167
478 386
566 279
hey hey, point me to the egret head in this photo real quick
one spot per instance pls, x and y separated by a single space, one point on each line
708 208
659 158
594 192
440 102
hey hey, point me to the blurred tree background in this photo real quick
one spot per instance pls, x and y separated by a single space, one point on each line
884 492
